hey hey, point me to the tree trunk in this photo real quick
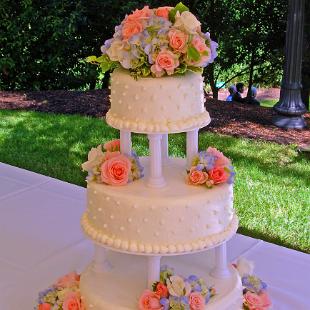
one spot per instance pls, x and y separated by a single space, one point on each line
210 78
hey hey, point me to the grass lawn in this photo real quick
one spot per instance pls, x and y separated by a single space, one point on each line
268 103
272 189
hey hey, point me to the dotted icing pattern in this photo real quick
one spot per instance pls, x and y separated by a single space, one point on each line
136 247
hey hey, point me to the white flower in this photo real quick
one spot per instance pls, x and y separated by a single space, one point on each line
115 50
245 267
177 287
95 157
187 21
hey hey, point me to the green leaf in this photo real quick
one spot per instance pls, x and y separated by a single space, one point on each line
192 53
180 7
195 69
91 59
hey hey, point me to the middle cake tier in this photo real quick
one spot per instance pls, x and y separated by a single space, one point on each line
177 218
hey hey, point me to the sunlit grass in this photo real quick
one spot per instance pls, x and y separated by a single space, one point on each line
268 103
272 189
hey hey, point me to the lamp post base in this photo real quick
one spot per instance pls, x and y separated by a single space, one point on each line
285 121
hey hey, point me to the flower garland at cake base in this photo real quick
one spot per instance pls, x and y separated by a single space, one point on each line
172 292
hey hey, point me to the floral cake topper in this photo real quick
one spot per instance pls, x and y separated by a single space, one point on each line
157 42
209 168
106 164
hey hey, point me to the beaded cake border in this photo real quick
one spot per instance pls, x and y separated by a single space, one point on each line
197 121
145 249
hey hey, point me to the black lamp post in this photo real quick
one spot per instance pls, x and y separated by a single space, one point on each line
290 107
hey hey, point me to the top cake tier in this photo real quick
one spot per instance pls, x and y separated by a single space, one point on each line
168 104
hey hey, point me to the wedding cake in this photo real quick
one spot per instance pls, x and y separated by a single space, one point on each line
156 206
155 219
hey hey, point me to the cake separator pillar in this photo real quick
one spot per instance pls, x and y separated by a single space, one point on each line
153 272
156 178
221 270
191 145
100 263
164 148
125 142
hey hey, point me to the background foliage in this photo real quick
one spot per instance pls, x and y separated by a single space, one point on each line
43 42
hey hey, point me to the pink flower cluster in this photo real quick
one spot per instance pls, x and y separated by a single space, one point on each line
255 301
65 294
110 166
209 168
161 40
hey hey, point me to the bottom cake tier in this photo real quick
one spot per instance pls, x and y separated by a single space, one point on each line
123 279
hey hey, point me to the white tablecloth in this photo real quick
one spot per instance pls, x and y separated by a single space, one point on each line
41 239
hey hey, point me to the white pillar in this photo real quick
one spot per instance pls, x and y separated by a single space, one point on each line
125 141
100 262
153 272
164 148
220 270
191 146
156 178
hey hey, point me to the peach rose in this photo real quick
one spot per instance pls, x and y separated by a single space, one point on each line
161 290
144 13
178 40
165 61
131 27
199 43
257 301
196 177
218 175
112 146
149 301
108 155
196 301
115 171
221 159
44 306
163 11
68 280
72 301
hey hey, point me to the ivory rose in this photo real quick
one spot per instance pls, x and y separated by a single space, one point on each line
112 146
197 177
149 301
178 40
218 175
115 171
68 280
187 21
115 50
131 27
178 287
257 301
72 301
196 301
161 290
44 306
165 61
244 267
95 157
221 160
163 11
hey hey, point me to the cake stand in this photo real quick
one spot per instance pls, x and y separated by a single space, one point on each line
115 278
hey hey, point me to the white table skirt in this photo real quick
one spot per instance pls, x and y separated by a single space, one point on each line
41 239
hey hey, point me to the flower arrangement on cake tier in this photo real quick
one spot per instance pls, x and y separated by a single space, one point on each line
174 292
209 168
107 165
157 42
255 296
63 295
